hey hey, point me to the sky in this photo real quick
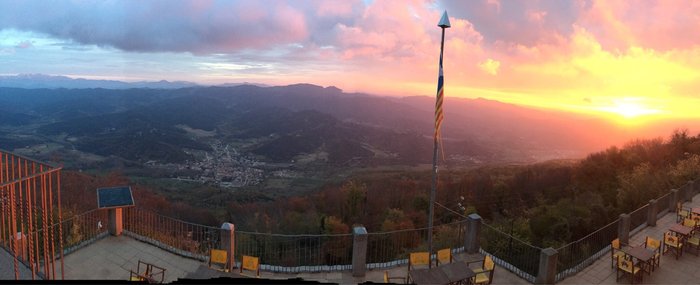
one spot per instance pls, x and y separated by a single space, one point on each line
631 60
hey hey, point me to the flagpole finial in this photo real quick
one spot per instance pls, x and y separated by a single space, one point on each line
444 21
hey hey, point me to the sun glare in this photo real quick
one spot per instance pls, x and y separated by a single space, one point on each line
630 109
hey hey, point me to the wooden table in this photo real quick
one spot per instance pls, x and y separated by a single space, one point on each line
696 211
681 230
643 255
451 273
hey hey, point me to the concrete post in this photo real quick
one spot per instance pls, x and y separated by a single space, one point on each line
653 212
623 229
471 242
673 201
115 221
359 251
689 191
228 243
548 266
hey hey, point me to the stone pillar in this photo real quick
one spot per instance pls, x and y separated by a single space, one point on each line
471 240
623 229
548 266
673 201
690 191
228 243
115 221
359 251
653 212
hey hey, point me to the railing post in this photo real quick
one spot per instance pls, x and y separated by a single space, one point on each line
547 272
673 201
471 240
653 212
359 251
689 188
228 243
115 221
623 229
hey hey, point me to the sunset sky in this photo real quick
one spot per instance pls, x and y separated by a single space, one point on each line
632 60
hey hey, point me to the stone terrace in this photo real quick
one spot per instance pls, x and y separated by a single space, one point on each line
112 257
685 270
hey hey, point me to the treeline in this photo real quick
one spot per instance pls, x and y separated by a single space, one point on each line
79 195
546 204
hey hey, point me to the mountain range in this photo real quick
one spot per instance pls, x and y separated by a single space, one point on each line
284 123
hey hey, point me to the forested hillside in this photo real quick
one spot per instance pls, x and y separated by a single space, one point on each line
546 204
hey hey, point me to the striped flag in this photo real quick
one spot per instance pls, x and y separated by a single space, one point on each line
439 116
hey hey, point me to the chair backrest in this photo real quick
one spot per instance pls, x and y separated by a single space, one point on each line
670 239
652 243
625 264
386 277
615 243
218 256
488 263
689 222
695 218
419 258
251 263
444 256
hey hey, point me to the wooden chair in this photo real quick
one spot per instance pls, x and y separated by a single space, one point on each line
696 218
444 256
147 272
251 263
615 251
387 278
681 213
626 266
688 222
672 243
655 245
694 243
218 256
484 275
417 258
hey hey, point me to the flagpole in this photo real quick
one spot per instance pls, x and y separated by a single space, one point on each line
444 23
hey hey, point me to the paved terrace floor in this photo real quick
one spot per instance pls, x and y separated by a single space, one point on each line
111 258
685 270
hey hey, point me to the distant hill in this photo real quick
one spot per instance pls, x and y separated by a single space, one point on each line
284 123
37 81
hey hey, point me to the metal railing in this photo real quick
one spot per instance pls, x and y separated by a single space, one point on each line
663 205
83 229
387 249
30 203
579 254
296 253
638 219
177 236
517 256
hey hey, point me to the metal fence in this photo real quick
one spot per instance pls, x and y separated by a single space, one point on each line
296 253
30 203
84 229
177 236
579 254
663 205
511 253
639 218
387 249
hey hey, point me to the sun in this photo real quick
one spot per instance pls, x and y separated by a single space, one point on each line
630 109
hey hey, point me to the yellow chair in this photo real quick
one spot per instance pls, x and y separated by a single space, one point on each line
484 275
681 213
387 278
654 245
688 222
694 242
626 266
673 243
218 256
615 251
251 263
444 256
417 258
